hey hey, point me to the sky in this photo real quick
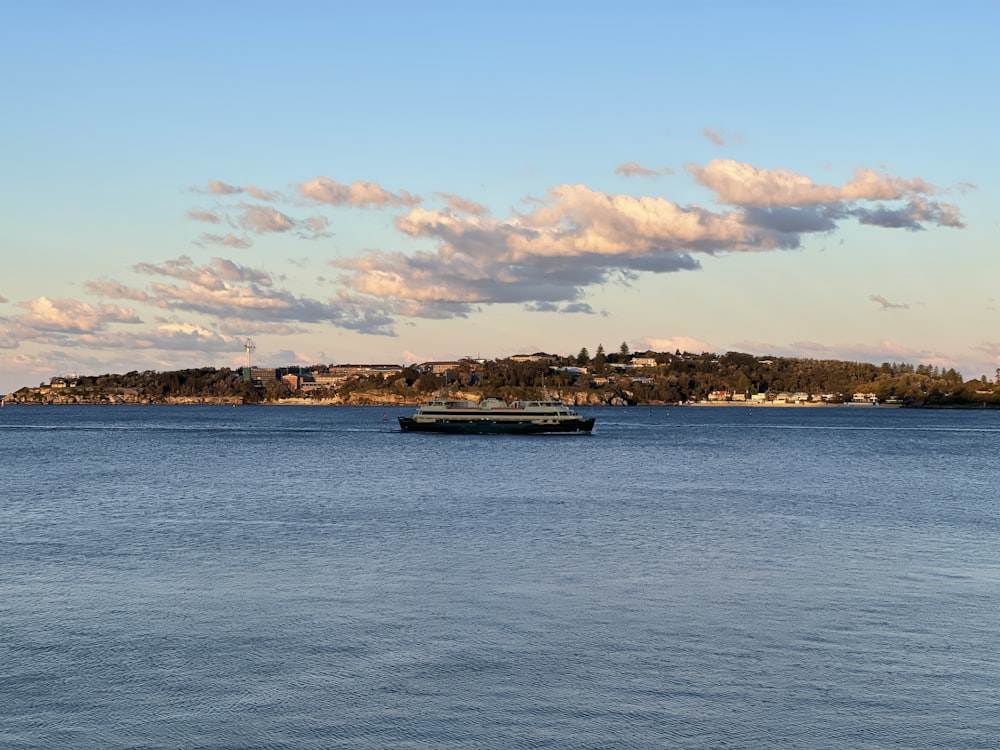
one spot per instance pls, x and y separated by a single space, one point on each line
396 182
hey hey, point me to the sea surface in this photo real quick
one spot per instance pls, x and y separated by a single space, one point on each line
311 577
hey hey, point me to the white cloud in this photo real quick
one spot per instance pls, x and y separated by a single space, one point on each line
71 316
115 290
546 257
226 290
263 219
882 351
225 240
357 194
741 184
672 344
214 275
463 205
205 216
215 187
261 194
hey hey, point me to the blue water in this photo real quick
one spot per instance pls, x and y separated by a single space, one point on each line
285 577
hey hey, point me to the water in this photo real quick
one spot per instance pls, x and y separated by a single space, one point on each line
285 577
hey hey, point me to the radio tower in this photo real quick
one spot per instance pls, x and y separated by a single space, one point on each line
248 347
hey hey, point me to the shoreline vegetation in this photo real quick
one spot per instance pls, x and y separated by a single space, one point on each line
619 379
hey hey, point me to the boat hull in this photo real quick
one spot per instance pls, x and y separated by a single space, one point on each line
483 426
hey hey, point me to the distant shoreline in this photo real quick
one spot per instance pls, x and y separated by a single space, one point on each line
410 404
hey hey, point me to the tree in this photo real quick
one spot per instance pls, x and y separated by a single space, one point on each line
624 351
583 358
275 390
600 361
741 383
427 383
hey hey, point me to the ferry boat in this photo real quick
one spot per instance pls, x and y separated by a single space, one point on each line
495 416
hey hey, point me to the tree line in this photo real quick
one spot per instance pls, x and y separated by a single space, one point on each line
664 378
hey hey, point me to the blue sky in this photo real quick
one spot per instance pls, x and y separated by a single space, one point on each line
396 182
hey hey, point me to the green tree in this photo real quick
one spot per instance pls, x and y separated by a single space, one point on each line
275 390
624 351
741 383
428 383
600 360
583 358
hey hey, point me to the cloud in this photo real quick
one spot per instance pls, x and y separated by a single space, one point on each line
181 336
740 184
313 227
71 316
261 194
571 308
912 216
206 216
886 304
227 290
2 299
115 290
225 240
462 205
214 275
252 217
357 194
762 191
264 219
241 327
576 238
991 349
672 344
8 338
316 223
788 221
546 256
541 306
45 364
634 169
215 187
883 351
166 335
119 353
577 307
715 137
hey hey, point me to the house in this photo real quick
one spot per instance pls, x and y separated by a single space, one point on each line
343 372
643 362
440 368
537 357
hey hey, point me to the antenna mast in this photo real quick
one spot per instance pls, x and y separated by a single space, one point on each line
249 347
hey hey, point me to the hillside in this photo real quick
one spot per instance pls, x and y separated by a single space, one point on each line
617 379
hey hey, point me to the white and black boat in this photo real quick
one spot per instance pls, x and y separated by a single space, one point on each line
495 416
